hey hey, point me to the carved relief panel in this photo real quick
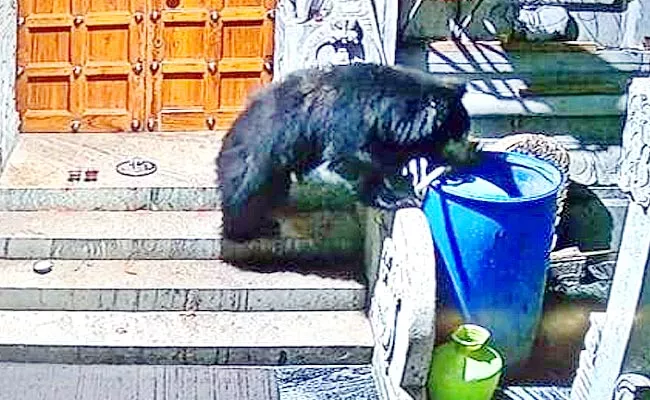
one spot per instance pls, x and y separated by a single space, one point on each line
317 33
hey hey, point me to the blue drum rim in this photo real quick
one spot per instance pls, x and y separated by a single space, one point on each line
543 168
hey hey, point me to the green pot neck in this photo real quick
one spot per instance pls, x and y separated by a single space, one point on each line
470 337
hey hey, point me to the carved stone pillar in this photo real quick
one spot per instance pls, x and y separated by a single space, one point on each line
317 33
402 310
624 345
8 46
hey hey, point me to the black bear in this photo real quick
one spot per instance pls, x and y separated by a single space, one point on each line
363 122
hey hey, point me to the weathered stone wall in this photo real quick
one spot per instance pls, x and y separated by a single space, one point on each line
608 23
8 113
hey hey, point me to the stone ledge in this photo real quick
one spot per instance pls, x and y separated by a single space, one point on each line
174 285
172 235
223 338
110 199
494 57
517 80
142 382
482 105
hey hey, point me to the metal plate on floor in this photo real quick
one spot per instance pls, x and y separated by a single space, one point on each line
136 167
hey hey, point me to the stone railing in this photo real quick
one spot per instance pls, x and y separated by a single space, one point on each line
401 271
615 362
8 114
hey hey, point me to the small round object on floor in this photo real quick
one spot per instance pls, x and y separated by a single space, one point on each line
136 167
43 266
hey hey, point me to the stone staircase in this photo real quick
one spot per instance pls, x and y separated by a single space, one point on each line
139 272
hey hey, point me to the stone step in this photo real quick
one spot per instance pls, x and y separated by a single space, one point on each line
224 338
86 198
173 285
168 235
110 235
185 179
35 381
37 171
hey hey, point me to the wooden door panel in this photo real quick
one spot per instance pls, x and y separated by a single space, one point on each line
184 55
44 84
76 65
119 65
235 89
112 83
245 55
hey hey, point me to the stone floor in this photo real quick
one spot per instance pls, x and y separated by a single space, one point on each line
560 339
36 177
42 161
144 382
152 382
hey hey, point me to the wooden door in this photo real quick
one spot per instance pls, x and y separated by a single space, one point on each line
79 65
207 56
246 54
123 65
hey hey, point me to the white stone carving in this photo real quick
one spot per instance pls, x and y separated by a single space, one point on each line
301 11
635 160
582 382
402 311
598 166
317 33
543 23
631 387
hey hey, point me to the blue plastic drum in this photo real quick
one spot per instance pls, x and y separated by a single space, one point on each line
493 229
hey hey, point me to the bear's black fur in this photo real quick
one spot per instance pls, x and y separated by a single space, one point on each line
363 121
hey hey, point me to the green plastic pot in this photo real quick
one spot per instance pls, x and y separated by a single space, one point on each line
465 367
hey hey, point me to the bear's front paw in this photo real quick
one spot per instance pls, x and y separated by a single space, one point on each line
269 229
409 202
395 204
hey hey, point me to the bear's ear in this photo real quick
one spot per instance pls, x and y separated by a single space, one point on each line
457 85
460 89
